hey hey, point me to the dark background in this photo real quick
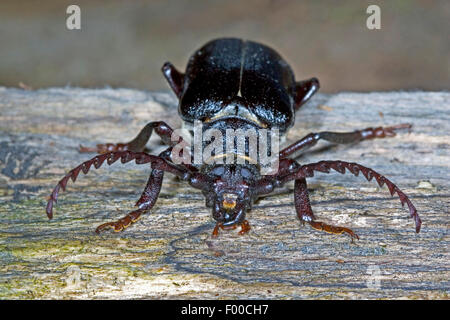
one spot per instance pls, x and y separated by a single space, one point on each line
125 43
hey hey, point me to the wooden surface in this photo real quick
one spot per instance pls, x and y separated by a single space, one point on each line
170 253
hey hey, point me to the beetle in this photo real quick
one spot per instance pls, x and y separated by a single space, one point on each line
228 84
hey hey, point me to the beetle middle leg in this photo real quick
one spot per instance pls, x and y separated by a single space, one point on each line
305 213
145 202
342 137
138 143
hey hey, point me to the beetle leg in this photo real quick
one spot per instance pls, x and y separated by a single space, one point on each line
305 213
174 77
145 203
307 170
123 223
304 90
215 232
342 137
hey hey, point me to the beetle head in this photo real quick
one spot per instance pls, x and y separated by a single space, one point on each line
230 196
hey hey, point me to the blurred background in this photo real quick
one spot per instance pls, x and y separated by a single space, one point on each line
125 43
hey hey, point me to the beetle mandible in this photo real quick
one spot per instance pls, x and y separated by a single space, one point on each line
228 84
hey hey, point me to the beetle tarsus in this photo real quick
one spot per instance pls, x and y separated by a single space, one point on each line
332 229
305 213
245 227
304 90
342 137
382 132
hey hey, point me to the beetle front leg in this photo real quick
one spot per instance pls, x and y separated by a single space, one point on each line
305 213
342 137
174 77
137 144
145 202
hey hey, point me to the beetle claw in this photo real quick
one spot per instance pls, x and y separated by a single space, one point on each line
333 229
123 223
274 96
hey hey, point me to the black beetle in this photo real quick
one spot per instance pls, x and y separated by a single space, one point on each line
232 84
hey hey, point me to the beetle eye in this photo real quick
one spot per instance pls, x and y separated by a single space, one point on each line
218 171
245 173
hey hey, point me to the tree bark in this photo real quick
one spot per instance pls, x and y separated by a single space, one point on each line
170 253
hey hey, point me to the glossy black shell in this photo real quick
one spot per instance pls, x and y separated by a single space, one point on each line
243 76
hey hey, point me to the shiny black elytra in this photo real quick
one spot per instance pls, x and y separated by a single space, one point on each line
230 84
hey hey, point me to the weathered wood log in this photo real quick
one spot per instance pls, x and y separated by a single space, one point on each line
170 253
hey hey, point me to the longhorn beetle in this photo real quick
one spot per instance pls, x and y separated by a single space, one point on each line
235 84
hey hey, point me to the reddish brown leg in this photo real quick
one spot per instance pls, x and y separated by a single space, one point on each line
245 227
342 137
145 202
123 223
305 213
307 170
138 143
